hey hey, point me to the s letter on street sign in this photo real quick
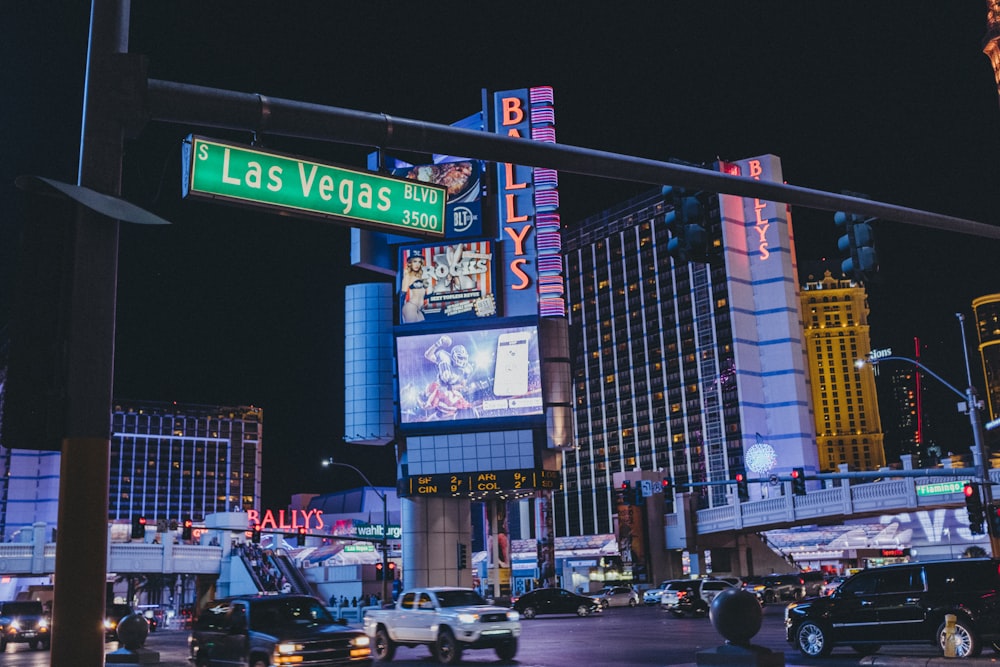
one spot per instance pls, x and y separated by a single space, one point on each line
291 185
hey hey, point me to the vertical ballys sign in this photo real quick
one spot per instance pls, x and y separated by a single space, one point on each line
290 185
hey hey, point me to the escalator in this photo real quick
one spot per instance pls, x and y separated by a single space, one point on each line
291 574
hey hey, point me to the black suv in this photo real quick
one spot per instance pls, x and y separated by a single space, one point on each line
24 621
285 629
900 604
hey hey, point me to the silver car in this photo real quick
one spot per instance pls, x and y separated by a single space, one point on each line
691 596
618 596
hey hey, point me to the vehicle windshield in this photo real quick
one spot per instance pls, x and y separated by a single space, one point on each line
22 608
118 611
459 598
286 612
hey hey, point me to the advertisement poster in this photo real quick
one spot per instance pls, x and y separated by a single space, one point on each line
492 373
464 183
631 541
443 282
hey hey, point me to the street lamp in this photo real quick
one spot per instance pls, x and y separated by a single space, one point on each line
385 524
972 408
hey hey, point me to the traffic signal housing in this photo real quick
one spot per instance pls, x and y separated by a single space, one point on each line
301 537
686 223
463 556
742 489
187 530
255 533
857 244
627 494
799 481
378 571
974 507
138 527
994 519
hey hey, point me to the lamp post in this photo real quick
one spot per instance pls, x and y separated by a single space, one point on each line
971 407
385 524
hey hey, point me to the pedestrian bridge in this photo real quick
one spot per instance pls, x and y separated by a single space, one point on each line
886 495
833 505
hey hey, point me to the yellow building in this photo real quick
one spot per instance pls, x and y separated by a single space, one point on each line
845 407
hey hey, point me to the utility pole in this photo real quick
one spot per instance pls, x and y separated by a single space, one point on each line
81 550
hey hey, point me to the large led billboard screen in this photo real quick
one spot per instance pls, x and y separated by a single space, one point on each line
444 282
467 376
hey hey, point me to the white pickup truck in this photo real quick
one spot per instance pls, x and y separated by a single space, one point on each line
448 620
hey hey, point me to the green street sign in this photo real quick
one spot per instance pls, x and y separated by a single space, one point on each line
287 184
940 488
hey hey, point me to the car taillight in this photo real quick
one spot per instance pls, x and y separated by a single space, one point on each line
681 595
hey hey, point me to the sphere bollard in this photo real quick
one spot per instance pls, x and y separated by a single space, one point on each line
736 615
132 631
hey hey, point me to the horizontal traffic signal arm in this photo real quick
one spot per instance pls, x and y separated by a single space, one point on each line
187 104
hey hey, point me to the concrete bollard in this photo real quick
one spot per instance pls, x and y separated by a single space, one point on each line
949 635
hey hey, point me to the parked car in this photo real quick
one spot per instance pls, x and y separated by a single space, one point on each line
259 629
778 588
831 585
618 596
652 596
24 622
812 582
691 596
903 604
555 601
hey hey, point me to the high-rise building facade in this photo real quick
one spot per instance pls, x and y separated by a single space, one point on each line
694 370
845 404
987 312
173 461
168 461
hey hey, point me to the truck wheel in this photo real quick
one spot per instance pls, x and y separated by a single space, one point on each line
812 640
447 649
383 647
507 650
967 644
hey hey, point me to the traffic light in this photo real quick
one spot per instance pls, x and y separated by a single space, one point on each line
378 571
668 489
188 530
627 494
742 490
994 517
799 481
392 571
974 506
689 240
255 533
463 556
301 537
138 527
857 244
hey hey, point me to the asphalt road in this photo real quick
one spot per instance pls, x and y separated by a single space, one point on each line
620 636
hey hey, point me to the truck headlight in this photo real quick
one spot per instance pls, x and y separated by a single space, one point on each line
361 640
468 618
287 648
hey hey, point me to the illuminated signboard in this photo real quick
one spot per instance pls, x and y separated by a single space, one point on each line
527 203
444 282
479 483
247 175
466 376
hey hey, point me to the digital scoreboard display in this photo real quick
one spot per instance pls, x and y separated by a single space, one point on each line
481 483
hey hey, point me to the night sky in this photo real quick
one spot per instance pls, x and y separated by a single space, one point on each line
891 99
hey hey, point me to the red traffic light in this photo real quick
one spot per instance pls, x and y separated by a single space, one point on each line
188 523
302 531
142 521
968 490
739 477
795 473
625 485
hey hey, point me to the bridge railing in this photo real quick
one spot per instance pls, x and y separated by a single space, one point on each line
846 500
